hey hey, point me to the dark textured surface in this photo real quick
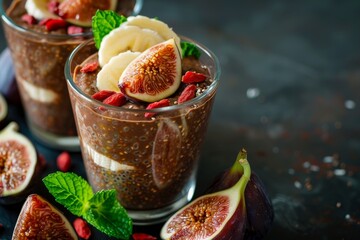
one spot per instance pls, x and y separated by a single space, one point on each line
289 94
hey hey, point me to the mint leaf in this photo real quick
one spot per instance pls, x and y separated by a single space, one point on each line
189 49
70 190
103 22
107 215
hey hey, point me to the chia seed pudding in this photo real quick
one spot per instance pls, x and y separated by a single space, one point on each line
149 156
39 49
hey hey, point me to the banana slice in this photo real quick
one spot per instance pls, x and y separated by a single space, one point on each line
39 9
156 25
38 93
108 77
126 38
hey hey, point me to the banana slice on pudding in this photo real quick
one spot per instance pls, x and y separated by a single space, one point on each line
108 77
154 24
126 38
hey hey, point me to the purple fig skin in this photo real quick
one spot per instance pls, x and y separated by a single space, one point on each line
259 209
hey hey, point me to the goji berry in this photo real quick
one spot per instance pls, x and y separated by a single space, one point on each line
54 24
63 161
28 19
143 236
102 95
116 99
162 103
74 30
82 228
188 93
193 77
53 7
89 67
44 21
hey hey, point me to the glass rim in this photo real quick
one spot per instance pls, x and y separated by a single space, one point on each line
10 22
197 99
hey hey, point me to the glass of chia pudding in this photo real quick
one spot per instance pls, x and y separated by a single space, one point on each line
41 34
142 97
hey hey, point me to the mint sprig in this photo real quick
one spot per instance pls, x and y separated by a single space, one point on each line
103 22
189 49
102 209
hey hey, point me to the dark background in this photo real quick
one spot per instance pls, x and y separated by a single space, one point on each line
289 94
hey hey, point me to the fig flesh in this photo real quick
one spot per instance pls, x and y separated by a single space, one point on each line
18 164
219 215
154 75
3 108
259 209
39 219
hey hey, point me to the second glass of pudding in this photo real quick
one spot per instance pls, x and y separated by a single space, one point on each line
40 42
150 156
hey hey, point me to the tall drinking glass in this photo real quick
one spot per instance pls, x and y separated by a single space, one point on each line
39 58
151 162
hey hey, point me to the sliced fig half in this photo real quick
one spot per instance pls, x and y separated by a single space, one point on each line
3 108
220 215
80 12
18 160
154 75
39 219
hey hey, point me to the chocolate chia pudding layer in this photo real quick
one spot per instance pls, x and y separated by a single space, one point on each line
39 56
151 162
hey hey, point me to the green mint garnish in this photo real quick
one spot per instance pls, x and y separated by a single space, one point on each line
102 209
189 49
103 22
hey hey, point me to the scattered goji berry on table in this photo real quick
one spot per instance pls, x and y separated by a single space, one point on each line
63 161
188 93
116 99
55 24
143 236
82 228
102 95
28 19
89 67
162 103
193 77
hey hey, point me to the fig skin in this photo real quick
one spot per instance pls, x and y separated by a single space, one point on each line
259 209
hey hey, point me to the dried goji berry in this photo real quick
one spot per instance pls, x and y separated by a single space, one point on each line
193 77
28 19
82 228
162 103
44 21
143 236
116 99
74 30
54 24
89 67
102 95
188 93
63 161
53 7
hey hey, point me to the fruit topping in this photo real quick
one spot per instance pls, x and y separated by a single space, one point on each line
126 38
39 219
143 236
82 228
28 19
109 75
3 108
80 12
153 75
102 95
193 77
74 30
89 67
55 24
63 161
39 9
162 103
18 160
187 94
220 215
117 99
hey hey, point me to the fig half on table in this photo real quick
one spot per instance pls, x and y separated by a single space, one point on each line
19 165
218 215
